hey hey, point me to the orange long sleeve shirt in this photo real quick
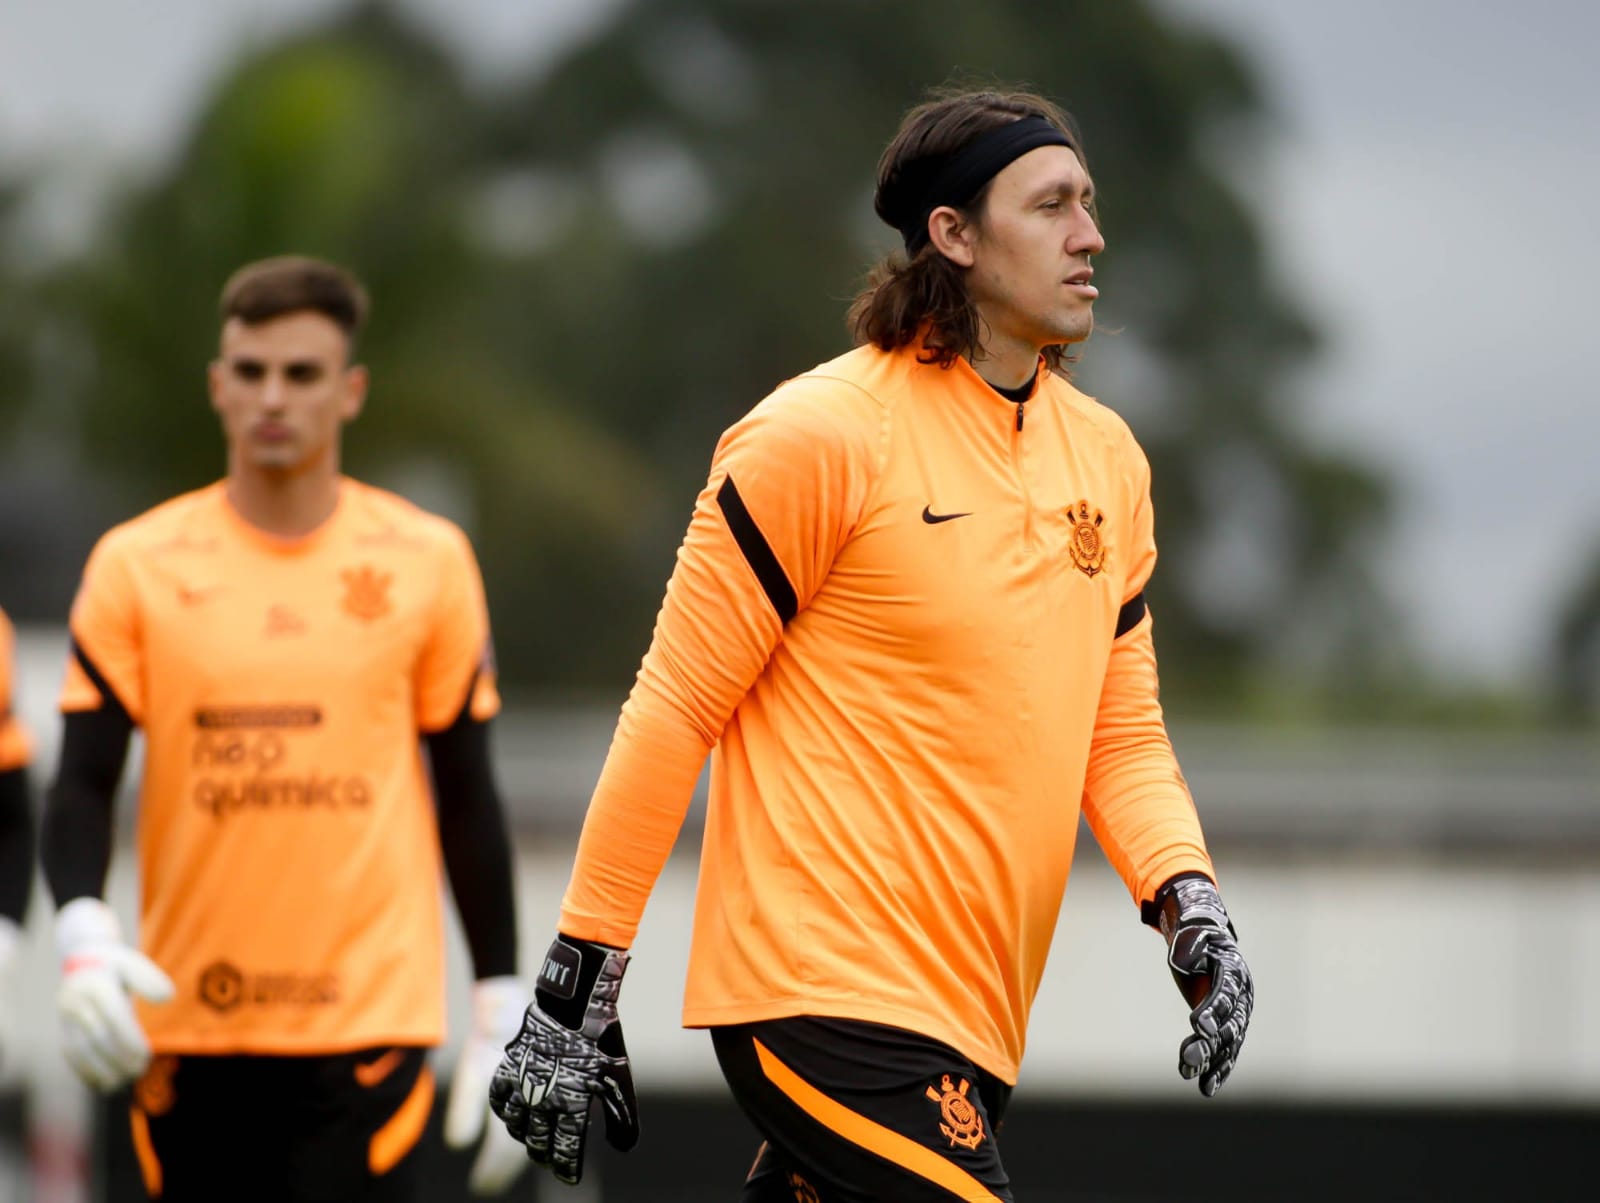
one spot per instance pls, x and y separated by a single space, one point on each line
907 621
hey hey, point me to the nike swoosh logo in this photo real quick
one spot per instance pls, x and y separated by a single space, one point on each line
370 1073
930 517
194 596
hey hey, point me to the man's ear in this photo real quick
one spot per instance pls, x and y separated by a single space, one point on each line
355 391
952 235
214 371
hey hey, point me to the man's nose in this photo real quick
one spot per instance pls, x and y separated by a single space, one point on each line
1087 238
274 393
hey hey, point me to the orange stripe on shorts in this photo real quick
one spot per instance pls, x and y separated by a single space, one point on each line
144 1147
870 1135
404 1128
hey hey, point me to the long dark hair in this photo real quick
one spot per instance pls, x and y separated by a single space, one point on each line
926 296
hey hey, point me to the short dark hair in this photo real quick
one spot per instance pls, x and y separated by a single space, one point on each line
926 295
269 288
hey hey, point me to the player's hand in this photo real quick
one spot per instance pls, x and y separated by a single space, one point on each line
496 1019
1216 983
103 1041
568 1054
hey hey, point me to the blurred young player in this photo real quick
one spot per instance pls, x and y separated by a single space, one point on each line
16 835
287 639
908 622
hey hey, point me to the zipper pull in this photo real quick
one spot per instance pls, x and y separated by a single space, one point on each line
1020 406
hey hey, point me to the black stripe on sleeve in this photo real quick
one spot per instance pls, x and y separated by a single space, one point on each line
1133 610
758 552
109 699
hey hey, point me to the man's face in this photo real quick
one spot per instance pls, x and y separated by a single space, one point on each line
284 388
1030 251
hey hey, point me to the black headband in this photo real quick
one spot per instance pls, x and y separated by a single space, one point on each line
956 178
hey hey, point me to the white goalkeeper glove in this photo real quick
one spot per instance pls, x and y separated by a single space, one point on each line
497 1004
101 1036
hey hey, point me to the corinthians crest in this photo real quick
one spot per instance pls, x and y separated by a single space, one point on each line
1087 543
366 592
962 1124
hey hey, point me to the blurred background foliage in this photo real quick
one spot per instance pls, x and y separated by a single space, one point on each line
581 279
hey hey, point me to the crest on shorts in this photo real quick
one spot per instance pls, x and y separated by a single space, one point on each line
154 1093
804 1192
1087 544
366 592
959 1119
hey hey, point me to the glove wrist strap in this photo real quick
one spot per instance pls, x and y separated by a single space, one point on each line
568 976
1189 899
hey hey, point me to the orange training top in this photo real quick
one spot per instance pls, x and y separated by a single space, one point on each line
14 747
290 879
908 616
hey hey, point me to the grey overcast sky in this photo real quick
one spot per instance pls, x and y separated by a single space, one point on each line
1428 192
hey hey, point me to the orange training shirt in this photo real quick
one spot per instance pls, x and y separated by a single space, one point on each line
895 617
290 879
14 747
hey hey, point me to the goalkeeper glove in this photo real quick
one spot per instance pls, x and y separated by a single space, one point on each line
102 1038
1213 978
496 1020
569 1053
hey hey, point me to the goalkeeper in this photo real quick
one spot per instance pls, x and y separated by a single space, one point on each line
908 624
288 640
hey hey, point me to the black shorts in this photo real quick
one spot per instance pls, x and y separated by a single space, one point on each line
305 1128
857 1112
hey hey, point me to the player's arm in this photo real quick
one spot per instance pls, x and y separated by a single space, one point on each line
478 858
786 488
99 969
456 701
1140 810
16 850
79 804
16 807
787 485
16 844
476 846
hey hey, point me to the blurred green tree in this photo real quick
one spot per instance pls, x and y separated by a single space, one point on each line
714 162
581 281
359 142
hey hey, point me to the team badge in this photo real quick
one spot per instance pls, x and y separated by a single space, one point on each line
221 987
804 1192
1087 544
366 592
154 1093
960 1121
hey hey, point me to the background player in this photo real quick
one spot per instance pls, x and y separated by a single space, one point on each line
283 637
908 621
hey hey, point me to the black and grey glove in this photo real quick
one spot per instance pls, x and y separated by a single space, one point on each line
1204 957
569 1053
